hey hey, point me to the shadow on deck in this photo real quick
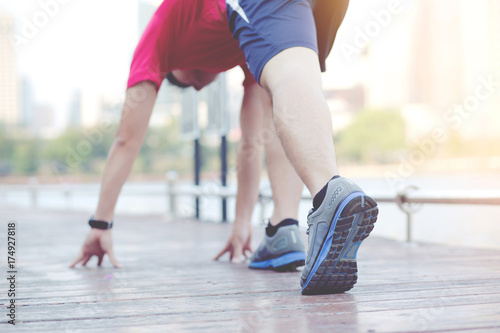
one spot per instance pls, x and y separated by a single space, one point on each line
170 283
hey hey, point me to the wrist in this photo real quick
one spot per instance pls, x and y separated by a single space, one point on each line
242 222
103 216
242 226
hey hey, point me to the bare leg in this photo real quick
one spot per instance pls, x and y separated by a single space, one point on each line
257 129
301 114
285 183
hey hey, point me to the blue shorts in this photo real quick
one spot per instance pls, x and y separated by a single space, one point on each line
264 28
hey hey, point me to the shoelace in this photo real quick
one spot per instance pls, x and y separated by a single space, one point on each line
309 225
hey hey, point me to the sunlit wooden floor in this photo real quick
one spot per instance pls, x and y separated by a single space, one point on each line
169 284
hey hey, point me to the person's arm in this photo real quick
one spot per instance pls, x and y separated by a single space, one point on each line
249 161
139 103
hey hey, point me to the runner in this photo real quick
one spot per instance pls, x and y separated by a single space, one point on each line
284 44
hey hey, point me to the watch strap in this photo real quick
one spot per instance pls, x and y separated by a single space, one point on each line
99 224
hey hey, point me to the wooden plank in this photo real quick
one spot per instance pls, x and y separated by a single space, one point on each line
170 283
155 293
251 302
298 320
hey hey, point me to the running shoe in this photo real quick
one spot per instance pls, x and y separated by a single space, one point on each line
281 250
336 229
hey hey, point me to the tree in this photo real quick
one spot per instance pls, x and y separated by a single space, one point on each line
373 136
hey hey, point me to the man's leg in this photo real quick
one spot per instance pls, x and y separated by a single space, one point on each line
257 130
285 183
343 216
281 51
301 114
282 248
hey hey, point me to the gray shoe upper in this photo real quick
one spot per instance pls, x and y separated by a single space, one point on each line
319 221
286 239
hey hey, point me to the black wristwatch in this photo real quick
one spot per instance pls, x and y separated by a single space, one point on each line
98 224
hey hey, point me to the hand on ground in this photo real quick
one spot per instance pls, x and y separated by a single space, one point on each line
98 243
238 244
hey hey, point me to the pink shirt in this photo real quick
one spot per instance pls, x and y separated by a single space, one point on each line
186 34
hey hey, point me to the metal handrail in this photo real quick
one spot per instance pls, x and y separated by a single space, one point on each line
409 199
476 197
486 197
456 198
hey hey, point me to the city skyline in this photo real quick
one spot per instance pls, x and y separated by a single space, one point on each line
428 53
9 85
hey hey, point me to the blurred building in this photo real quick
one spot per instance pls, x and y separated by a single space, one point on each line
90 106
480 51
436 65
74 109
493 11
44 121
27 102
9 85
432 57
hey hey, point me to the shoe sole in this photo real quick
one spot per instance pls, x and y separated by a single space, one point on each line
286 263
335 269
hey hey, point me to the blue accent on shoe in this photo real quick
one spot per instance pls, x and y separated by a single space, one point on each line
277 251
328 242
285 259
353 251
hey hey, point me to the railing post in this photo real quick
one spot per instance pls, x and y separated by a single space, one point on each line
262 209
409 221
223 159
33 186
3 193
407 208
263 201
171 195
197 169
67 197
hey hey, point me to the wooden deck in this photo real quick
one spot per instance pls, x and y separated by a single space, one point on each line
169 284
